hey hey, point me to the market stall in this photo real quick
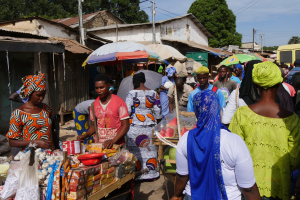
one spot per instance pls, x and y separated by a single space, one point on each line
73 172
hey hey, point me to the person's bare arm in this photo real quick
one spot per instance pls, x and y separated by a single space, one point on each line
89 120
124 129
89 132
181 181
163 88
171 104
15 97
251 193
44 144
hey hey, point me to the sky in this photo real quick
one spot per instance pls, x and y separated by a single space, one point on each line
279 20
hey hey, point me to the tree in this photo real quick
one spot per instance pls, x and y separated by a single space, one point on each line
270 48
218 20
128 10
294 40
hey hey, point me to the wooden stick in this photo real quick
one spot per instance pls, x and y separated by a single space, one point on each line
177 111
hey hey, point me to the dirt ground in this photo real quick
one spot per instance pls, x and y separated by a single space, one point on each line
154 190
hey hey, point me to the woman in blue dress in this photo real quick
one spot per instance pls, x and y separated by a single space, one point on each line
164 99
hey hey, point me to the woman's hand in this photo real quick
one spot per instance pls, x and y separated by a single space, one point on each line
108 144
43 144
80 137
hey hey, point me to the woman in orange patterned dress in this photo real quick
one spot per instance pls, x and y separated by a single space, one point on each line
31 122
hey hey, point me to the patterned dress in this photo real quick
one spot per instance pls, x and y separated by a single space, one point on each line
144 108
26 126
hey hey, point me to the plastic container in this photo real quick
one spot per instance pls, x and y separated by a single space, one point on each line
91 159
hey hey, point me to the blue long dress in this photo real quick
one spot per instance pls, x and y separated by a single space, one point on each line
164 99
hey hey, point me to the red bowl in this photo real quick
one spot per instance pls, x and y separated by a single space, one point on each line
91 159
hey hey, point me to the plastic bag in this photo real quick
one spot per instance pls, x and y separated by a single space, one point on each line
28 188
121 157
12 180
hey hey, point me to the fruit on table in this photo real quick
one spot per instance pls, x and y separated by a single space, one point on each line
173 122
184 130
169 133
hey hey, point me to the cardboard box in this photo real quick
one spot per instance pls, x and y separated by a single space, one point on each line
88 170
103 167
97 177
97 182
88 184
103 182
89 178
75 188
81 198
76 195
97 169
110 180
72 147
111 174
89 189
77 173
96 188
77 181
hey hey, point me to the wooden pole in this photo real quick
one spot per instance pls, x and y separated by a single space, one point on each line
177 111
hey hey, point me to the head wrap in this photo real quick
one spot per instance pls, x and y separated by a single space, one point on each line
202 70
138 79
160 69
171 71
239 66
203 146
266 74
297 62
32 83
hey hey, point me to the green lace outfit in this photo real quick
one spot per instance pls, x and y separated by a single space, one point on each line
274 144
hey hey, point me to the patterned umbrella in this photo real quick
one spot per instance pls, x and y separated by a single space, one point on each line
153 81
238 58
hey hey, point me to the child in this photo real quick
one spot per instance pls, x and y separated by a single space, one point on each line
112 118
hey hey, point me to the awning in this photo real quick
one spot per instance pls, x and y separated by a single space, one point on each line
73 46
219 52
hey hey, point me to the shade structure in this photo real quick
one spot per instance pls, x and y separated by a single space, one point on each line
238 58
181 68
167 52
153 81
257 56
121 53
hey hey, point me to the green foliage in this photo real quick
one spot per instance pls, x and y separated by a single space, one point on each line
218 20
294 40
270 48
128 10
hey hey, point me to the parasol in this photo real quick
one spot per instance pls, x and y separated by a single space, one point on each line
121 53
168 53
238 58
153 81
257 56
181 68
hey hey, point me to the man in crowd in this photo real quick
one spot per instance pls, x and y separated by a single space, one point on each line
183 92
225 84
202 76
229 75
293 71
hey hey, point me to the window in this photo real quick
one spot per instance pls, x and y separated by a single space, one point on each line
286 56
297 54
105 23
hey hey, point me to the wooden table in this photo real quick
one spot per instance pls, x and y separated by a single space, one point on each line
104 192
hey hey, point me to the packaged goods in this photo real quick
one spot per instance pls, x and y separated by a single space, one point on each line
88 170
96 169
122 157
77 181
96 188
97 177
104 175
75 188
111 173
89 178
81 198
89 183
89 189
120 171
72 147
110 180
77 194
97 182
95 147
103 182
77 173
103 167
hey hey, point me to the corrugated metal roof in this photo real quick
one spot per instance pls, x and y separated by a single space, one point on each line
20 34
31 40
199 46
74 21
193 18
73 46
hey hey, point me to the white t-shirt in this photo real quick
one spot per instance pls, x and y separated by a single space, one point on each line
236 163
230 107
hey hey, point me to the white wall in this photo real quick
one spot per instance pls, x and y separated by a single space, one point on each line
178 30
46 29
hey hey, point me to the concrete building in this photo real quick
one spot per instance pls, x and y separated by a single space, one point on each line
249 45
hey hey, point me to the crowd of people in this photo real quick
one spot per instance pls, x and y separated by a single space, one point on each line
246 141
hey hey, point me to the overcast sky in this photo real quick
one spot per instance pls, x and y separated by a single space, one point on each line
279 20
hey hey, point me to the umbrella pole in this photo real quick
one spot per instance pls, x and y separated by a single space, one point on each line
177 112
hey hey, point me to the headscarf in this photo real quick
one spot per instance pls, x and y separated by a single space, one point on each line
239 66
160 69
171 71
202 70
203 145
138 79
248 91
32 83
266 74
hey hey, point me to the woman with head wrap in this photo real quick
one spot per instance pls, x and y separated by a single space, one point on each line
239 71
271 133
145 112
31 122
212 162
167 82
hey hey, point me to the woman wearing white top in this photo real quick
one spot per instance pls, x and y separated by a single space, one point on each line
213 163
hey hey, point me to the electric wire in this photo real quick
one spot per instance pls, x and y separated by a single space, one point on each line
247 8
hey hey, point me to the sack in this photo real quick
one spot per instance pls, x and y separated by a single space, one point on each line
12 180
28 188
295 78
